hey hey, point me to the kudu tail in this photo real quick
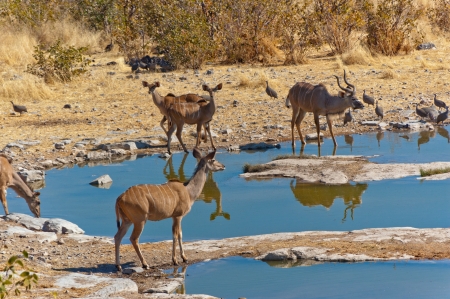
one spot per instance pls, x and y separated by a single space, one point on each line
117 216
288 102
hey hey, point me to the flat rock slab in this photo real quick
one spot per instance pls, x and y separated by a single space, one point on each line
342 170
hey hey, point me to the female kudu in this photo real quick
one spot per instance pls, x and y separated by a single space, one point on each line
156 202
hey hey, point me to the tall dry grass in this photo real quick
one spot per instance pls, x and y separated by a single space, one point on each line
25 87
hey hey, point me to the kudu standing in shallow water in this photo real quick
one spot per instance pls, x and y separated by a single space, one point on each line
199 113
10 179
156 202
305 97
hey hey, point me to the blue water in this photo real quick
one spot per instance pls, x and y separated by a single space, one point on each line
237 207
238 277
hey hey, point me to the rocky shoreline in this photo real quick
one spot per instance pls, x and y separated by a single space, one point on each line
72 264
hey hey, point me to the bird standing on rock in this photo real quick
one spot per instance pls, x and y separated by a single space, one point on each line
368 99
272 93
19 108
379 111
440 104
420 112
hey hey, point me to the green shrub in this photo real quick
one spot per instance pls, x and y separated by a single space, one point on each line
11 282
439 15
58 62
429 172
256 167
392 26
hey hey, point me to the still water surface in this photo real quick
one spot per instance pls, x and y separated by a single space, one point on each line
238 277
231 206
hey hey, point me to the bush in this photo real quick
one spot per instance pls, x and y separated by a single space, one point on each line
392 27
10 283
337 21
58 63
439 15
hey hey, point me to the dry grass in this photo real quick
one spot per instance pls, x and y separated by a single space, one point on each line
257 80
388 74
358 56
248 168
25 87
429 172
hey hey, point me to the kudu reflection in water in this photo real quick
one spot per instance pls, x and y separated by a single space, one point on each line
349 140
210 190
311 195
380 136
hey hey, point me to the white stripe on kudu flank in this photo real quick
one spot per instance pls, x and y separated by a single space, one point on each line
162 194
164 187
171 191
151 196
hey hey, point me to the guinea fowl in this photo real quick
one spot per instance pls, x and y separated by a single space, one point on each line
272 93
442 117
348 117
420 112
19 108
379 111
440 104
368 99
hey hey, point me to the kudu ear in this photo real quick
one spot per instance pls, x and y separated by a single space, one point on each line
37 193
205 87
341 94
197 154
211 155
145 83
157 84
218 87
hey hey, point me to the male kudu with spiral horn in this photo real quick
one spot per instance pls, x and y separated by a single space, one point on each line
305 97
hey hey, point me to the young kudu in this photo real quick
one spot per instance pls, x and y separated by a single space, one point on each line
305 97
10 179
199 113
156 202
163 103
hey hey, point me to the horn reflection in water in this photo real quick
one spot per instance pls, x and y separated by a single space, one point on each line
210 190
311 195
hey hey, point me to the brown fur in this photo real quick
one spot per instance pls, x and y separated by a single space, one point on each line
173 199
192 113
10 179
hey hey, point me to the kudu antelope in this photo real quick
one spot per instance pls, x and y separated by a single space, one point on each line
163 103
10 179
156 202
199 113
305 97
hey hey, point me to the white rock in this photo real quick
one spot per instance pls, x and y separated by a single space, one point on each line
61 226
102 180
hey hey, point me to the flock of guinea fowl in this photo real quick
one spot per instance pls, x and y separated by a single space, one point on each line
174 199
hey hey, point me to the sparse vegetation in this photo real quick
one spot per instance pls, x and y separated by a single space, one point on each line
58 63
439 15
12 282
433 171
256 167
303 156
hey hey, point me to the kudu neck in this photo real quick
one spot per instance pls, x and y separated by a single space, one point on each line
157 99
336 104
21 188
196 183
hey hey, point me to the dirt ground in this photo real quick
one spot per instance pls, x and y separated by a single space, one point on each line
107 104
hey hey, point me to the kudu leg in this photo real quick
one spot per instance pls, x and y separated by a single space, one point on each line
297 118
208 129
3 199
163 120
179 131
169 136
177 238
134 238
316 120
330 126
118 239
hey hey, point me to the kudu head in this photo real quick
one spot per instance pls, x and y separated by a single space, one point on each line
34 204
151 87
349 92
207 161
213 90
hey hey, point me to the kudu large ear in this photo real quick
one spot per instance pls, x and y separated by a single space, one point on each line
205 87
145 83
341 94
157 84
197 154
211 155
218 87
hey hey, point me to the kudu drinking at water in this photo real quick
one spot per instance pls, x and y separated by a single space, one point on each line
199 113
157 202
305 97
10 179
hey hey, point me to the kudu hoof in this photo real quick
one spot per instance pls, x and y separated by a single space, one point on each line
119 268
146 267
